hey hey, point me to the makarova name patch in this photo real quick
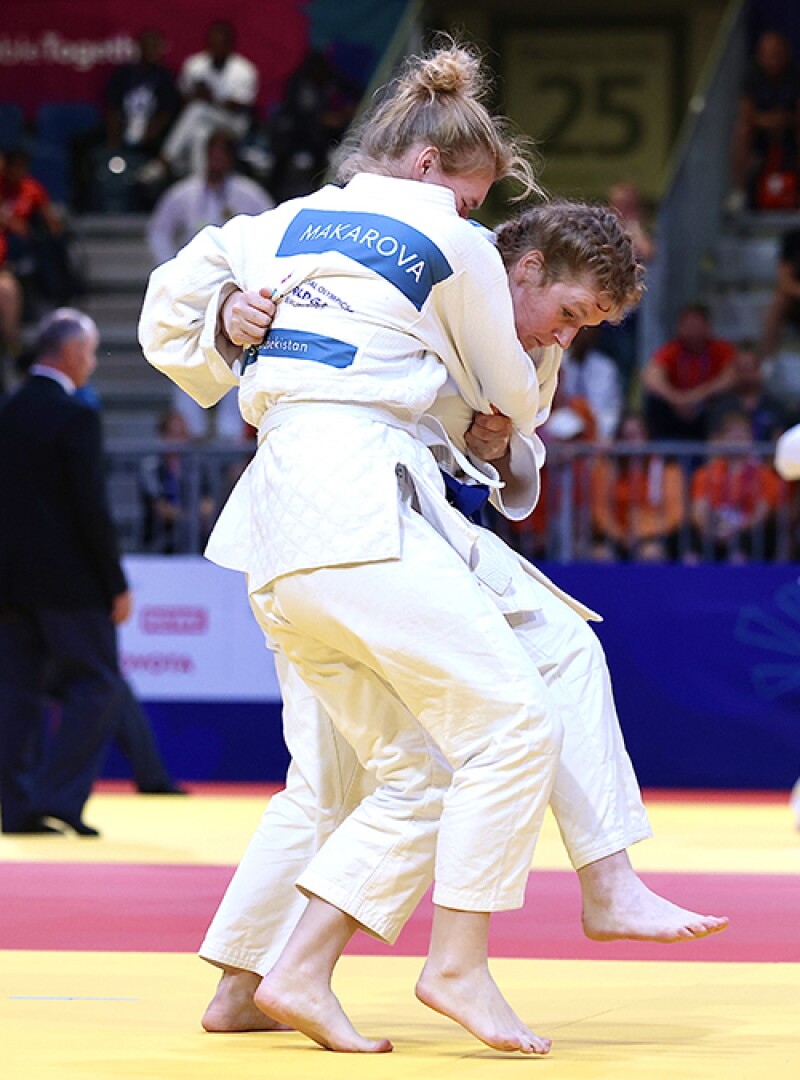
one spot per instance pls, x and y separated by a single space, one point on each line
399 253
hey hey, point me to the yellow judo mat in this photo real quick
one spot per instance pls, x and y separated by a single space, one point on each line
105 1015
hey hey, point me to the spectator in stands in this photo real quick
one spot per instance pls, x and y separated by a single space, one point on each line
33 243
219 88
734 497
766 134
620 341
785 305
588 373
685 376
559 526
164 484
749 396
626 200
209 199
141 100
638 501
318 104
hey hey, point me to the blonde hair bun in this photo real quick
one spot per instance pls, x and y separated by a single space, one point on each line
449 71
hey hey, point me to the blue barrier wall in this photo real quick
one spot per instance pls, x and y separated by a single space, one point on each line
706 668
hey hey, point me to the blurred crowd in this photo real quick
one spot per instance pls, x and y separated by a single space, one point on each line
189 146
661 457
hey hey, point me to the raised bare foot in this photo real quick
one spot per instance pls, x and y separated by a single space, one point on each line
232 1008
473 999
637 913
315 1010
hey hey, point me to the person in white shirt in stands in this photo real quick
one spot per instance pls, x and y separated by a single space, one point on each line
219 87
591 374
212 198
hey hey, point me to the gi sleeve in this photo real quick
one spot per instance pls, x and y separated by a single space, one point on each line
179 328
482 352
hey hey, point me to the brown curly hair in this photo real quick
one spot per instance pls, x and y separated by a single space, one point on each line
578 241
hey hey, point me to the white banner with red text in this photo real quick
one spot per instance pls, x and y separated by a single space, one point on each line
192 636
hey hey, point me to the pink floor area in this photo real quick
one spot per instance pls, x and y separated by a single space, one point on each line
166 908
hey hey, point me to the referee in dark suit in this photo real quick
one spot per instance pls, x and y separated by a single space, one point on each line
62 588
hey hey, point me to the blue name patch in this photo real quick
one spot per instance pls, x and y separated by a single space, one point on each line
402 255
299 345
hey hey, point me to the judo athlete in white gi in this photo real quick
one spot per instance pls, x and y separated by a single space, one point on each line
343 504
787 465
595 798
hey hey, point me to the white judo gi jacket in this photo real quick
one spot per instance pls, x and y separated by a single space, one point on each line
360 288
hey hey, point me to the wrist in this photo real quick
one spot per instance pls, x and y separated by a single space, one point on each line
224 313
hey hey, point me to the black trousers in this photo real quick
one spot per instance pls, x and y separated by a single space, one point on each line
51 772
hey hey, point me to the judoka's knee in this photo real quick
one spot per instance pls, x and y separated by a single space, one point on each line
537 733
549 732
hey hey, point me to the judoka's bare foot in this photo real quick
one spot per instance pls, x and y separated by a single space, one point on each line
473 999
314 1009
232 1008
618 905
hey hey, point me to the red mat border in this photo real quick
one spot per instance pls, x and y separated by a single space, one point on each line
166 908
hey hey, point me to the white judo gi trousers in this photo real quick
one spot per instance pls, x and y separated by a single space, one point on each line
595 798
420 629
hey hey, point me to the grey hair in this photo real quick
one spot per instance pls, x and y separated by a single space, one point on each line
60 326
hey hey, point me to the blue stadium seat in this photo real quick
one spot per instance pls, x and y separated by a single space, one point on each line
56 124
11 126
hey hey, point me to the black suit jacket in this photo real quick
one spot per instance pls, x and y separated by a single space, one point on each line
58 547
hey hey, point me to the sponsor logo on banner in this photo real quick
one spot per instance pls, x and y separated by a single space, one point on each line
82 54
173 619
157 664
193 636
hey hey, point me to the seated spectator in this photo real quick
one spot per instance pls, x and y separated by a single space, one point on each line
33 243
685 376
219 88
624 197
318 104
767 127
164 484
559 527
209 199
785 305
140 102
749 395
620 341
587 372
638 502
734 497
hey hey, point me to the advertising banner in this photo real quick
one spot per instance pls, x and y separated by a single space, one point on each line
65 50
192 636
